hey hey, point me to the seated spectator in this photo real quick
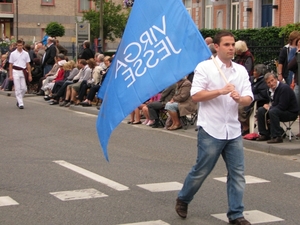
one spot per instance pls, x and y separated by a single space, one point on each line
95 88
153 108
181 102
3 72
244 56
260 94
72 89
135 116
51 74
60 76
283 107
144 108
87 84
59 88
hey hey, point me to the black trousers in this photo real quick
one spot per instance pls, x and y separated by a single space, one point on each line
153 108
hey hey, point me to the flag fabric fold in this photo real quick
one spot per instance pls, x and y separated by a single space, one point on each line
160 45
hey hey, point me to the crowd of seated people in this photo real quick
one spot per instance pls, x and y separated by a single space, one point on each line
68 82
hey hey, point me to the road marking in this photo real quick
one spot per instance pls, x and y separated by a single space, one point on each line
157 222
6 201
160 187
249 179
253 216
78 194
295 174
110 183
85 114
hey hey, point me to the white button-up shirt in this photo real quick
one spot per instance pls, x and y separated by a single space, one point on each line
19 58
219 116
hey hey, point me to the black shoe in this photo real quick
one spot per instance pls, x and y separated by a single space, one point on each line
181 208
47 98
53 103
21 107
275 140
240 221
40 93
263 138
63 103
156 125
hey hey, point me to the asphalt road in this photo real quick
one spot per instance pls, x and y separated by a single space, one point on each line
53 172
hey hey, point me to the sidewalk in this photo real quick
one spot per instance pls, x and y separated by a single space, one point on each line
286 148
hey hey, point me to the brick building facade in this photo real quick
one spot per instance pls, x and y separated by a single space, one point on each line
28 18
243 14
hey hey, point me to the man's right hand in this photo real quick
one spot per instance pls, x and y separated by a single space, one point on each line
227 89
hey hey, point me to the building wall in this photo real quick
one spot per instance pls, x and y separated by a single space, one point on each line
285 13
33 19
288 12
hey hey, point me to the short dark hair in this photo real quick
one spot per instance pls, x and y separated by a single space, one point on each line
20 42
219 35
87 44
83 62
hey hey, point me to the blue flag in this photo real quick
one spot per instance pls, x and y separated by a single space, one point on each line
160 45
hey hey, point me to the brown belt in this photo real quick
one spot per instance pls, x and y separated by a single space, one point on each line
18 68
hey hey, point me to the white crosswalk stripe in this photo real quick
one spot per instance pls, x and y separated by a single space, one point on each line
93 176
6 201
157 222
78 194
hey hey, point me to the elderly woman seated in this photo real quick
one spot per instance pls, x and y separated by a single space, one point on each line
181 102
260 94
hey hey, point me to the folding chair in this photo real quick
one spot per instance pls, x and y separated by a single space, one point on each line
162 116
188 120
288 130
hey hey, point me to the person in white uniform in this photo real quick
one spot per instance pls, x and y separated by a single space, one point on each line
19 61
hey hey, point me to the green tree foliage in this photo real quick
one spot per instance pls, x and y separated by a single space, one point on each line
55 29
114 20
285 32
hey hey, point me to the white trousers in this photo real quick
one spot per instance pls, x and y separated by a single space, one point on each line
20 85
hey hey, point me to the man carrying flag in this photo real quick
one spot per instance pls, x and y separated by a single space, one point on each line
160 45
219 96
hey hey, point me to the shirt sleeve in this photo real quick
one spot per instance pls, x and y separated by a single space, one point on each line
200 80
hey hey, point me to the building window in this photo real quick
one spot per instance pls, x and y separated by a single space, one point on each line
235 14
47 2
208 14
84 5
188 6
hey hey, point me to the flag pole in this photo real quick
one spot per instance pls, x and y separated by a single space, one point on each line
218 67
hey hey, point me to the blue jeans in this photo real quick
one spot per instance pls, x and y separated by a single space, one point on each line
209 151
47 69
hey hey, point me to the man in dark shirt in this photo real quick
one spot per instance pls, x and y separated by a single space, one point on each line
87 52
49 57
283 107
